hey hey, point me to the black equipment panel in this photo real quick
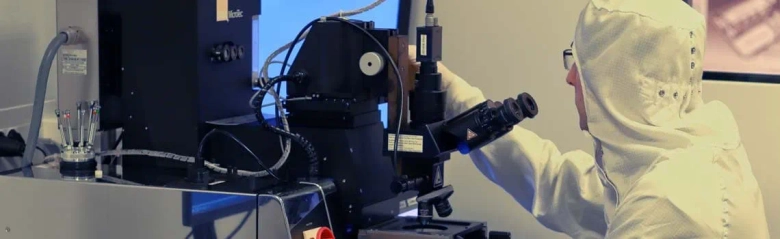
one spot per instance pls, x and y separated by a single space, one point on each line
171 76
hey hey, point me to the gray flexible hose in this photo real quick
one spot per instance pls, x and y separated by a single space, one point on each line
39 101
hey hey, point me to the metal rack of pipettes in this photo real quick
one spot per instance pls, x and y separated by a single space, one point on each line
83 149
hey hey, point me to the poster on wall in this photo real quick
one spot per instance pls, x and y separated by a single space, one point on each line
743 39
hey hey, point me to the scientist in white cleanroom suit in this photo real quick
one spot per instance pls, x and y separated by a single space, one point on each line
667 164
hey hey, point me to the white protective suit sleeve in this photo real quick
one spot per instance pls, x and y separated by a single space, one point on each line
667 164
562 190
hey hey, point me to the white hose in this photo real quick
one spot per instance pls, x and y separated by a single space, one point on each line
213 166
277 101
158 154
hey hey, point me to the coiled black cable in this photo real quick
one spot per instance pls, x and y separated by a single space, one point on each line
233 137
314 163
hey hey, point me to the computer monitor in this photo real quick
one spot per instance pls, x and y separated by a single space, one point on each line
281 20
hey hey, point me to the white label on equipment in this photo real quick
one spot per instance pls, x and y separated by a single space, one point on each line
402 204
411 201
74 61
423 44
222 11
406 143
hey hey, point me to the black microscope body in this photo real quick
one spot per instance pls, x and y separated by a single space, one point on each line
340 120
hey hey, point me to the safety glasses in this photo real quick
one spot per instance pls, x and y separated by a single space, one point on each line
568 57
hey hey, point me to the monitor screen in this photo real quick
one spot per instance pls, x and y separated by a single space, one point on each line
743 36
281 20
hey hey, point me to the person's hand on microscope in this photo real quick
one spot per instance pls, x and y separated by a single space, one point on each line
667 164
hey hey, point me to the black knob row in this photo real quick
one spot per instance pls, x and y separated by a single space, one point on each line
227 52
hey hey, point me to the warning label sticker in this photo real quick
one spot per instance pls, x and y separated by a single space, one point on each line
470 134
74 61
406 143
438 175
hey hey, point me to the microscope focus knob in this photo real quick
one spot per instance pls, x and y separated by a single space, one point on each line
226 52
233 52
241 52
371 63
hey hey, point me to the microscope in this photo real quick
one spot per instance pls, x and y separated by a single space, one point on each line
425 144
373 166
345 170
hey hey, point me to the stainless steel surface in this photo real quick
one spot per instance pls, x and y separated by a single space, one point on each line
49 207
72 85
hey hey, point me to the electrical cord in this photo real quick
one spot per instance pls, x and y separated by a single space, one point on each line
276 113
42 151
307 146
158 154
399 91
264 79
19 169
203 141
14 170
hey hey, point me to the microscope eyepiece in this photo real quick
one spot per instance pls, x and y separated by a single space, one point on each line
527 105
489 120
511 112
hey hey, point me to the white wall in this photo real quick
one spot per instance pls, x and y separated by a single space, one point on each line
26 27
757 110
507 47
